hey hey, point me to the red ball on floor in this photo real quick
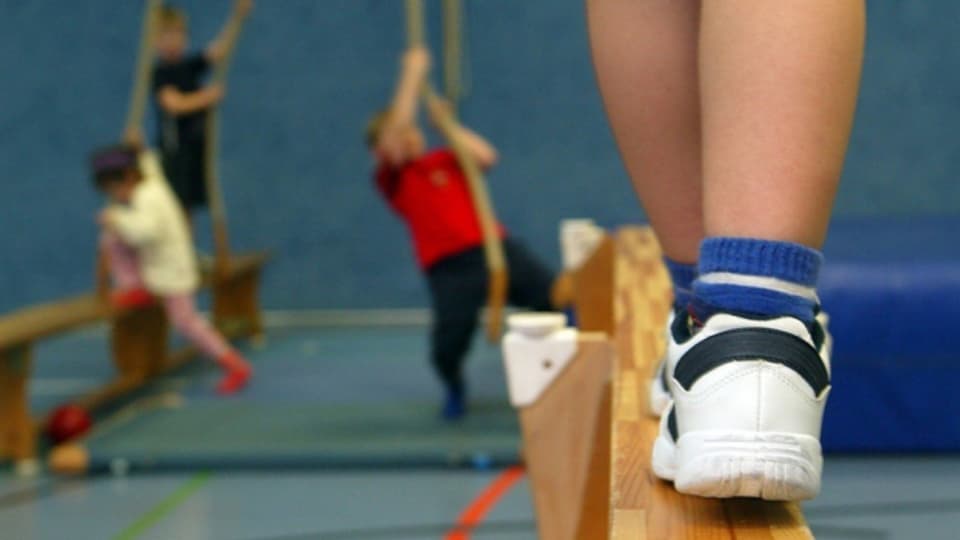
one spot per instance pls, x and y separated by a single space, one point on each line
68 422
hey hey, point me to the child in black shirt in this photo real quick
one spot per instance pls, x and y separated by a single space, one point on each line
183 101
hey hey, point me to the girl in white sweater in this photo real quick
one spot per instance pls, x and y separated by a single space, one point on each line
148 246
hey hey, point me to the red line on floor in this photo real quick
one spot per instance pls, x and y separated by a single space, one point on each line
474 514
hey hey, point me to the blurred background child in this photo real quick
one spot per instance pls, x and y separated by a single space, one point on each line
150 254
429 191
183 101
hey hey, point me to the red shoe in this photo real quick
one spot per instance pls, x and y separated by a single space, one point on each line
237 373
132 298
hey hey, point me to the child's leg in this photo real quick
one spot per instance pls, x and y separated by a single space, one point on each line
182 312
645 53
533 285
779 84
458 289
451 337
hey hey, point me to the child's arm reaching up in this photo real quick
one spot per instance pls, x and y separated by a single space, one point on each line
480 148
225 42
403 108
177 103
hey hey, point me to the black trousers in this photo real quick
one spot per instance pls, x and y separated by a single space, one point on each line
458 290
186 170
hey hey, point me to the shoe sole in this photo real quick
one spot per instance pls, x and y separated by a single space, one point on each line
724 464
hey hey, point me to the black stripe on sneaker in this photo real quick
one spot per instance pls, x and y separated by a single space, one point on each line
818 334
672 424
745 344
664 381
680 329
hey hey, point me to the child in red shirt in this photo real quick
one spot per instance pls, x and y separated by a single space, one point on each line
429 192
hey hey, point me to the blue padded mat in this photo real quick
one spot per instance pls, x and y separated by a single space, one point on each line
354 397
892 288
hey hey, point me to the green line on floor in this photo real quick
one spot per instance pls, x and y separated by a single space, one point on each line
164 507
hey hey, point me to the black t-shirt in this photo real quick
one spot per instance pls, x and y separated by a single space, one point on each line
186 76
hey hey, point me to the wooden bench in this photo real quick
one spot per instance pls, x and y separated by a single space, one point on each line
236 298
587 434
139 344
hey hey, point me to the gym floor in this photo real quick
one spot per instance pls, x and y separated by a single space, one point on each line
323 389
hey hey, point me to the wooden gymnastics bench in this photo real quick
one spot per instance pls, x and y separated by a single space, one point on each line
236 298
587 435
139 344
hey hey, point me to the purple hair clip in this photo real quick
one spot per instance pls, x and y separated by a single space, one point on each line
112 160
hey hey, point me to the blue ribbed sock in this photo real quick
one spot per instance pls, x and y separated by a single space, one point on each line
756 278
682 276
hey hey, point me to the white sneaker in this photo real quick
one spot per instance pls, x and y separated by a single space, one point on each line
748 400
659 392
658 395
659 389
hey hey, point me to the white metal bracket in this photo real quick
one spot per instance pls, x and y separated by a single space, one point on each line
536 350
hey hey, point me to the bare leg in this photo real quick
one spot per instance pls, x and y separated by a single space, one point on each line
774 88
182 312
645 53
778 84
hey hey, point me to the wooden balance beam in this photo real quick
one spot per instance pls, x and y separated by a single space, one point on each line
139 341
587 434
559 379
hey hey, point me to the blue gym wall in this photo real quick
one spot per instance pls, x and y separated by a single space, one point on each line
305 78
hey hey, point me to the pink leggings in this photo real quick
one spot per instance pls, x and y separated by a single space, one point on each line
181 309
